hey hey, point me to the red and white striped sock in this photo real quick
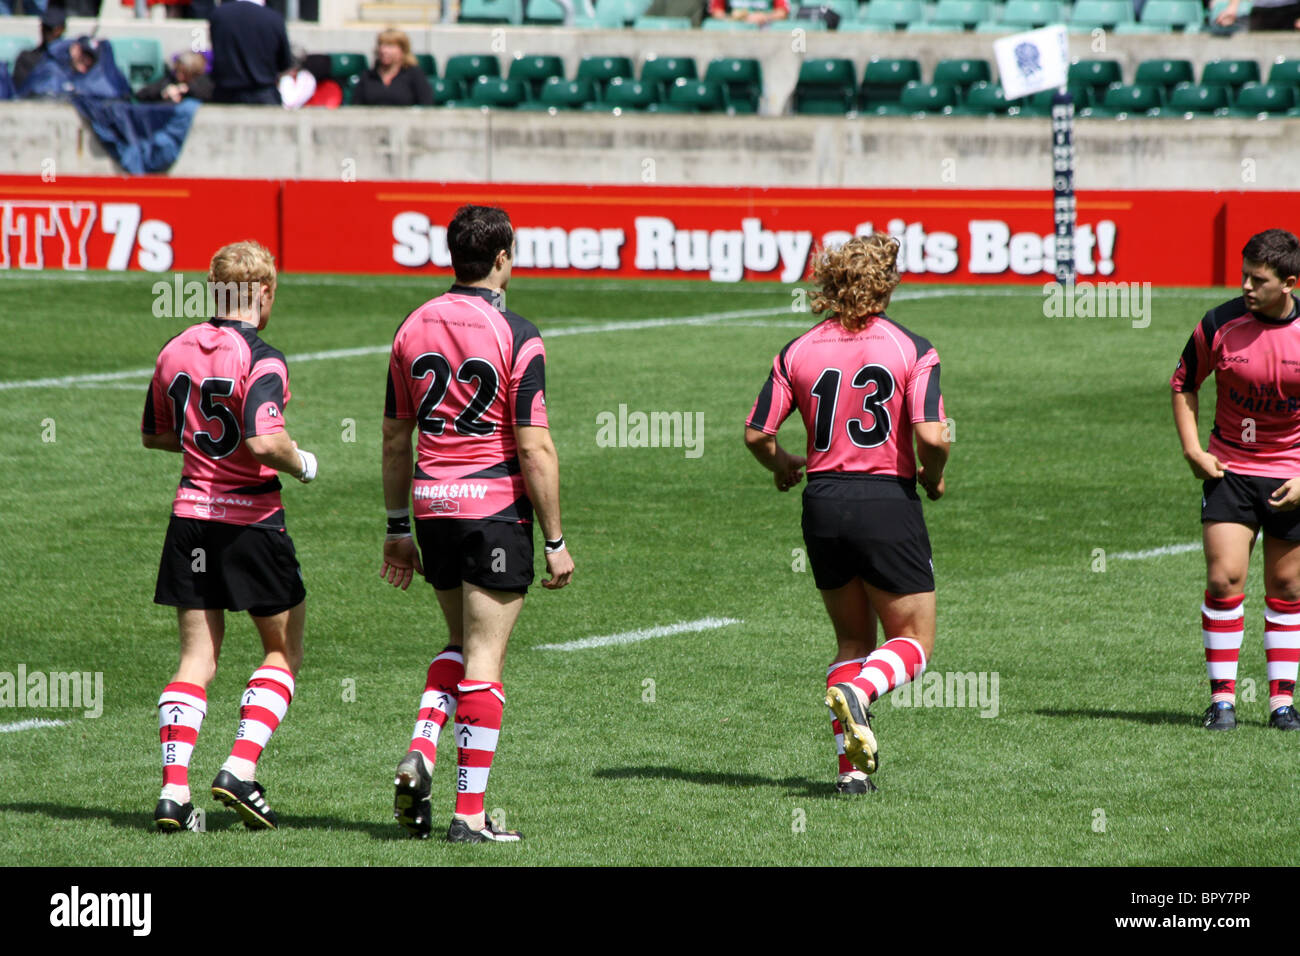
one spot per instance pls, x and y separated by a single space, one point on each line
478 725
1223 626
269 692
893 664
841 672
181 710
1281 650
438 702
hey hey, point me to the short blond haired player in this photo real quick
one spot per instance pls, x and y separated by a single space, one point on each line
218 397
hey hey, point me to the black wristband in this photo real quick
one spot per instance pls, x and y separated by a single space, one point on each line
400 526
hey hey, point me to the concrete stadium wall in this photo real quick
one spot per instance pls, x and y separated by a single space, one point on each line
500 146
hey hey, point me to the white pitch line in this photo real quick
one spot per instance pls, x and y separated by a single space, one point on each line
1156 552
645 634
31 725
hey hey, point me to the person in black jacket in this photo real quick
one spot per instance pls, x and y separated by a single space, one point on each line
53 23
395 79
250 49
187 76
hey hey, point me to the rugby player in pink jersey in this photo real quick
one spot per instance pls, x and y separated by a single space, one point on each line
218 397
867 390
1251 471
471 376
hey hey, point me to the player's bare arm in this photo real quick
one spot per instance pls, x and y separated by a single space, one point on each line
277 450
932 457
540 465
401 557
1204 465
787 469
163 441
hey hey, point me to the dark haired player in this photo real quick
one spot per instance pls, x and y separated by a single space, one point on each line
867 388
218 397
1252 345
471 375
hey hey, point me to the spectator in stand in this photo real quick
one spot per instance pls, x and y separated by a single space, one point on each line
395 79
250 49
187 76
677 8
1264 15
761 12
53 22
298 86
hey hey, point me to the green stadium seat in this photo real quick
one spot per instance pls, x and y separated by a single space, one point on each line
1141 29
894 13
847 9
463 70
961 73
11 46
344 66
697 96
565 94
615 14
883 80
1177 14
663 71
1285 73
546 13
742 78
984 99
141 59
928 98
726 24
965 13
626 93
1123 100
1192 99
491 11
1092 14
444 92
826 86
865 26
496 92
789 26
662 23
1096 76
1230 73
534 71
933 26
1258 99
1031 14
1040 104
427 64
601 69
1165 74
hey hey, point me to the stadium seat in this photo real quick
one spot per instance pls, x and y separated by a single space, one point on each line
1192 99
662 23
663 71
615 14
1177 14
1230 73
11 46
741 78
865 26
1243 15
1127 100
697 96
344 66
1260 99
625 93
561 94
826 86
601 69
928 26
961 73
928 98
463 71
961 14
491 11
1096 76
547 13
1164 74
1285 73
1030 14
497 92
724 24
984 99
1105 14
427 64
1040 104
883 80
534 71
444 93
896 14
140 59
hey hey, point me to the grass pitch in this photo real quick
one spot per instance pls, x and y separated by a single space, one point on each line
699 748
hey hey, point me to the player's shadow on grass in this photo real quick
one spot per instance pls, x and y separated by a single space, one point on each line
217 820
1166 718
800 786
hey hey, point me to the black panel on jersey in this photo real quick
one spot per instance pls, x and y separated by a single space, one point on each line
268 388
763 406
920 343
149 424
932 394
532 382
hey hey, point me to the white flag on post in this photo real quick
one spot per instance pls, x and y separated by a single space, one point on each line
1031 62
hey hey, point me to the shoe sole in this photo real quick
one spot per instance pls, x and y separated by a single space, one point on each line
252 819
859 742
167 825
406 801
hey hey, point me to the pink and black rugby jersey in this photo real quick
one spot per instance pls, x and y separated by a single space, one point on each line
468 373
215 384
859 394
1256 366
